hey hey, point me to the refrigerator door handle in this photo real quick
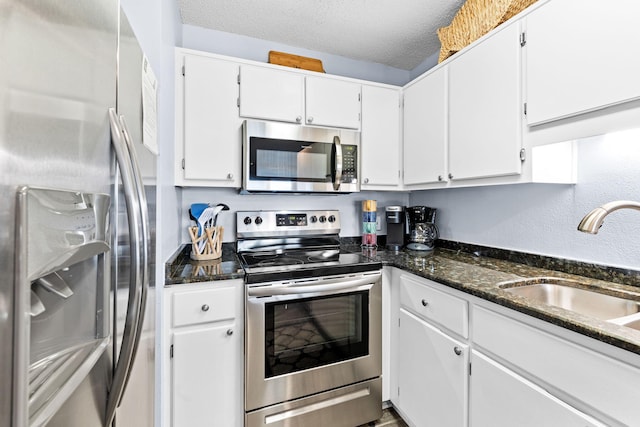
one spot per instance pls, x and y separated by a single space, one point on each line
133 208
144 266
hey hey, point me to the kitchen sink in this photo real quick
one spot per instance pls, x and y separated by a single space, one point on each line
568 294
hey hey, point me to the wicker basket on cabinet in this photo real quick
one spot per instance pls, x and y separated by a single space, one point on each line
475 19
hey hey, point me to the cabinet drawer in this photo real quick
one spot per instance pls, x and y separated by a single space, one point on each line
590 377
203 306
419 296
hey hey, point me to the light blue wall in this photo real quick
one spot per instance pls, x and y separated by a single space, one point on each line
542 219
258 50
349 206
427 64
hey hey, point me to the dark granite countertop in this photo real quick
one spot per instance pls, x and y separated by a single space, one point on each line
475 270
181 269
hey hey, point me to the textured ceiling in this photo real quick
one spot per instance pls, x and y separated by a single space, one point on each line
399 33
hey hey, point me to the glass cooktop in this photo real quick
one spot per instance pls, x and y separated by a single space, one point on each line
292 264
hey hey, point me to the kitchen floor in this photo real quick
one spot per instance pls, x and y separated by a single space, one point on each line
390 418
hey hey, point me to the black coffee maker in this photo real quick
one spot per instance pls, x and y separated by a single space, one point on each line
423 232
396 224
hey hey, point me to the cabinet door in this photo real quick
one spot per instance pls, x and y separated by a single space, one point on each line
581 55
333 103
205 385
432 376
425 129
520 402
380 135
270 94
212 128
485 108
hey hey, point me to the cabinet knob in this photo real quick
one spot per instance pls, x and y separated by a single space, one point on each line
229 332
425 303
457 350
439 177
229 176
299 119
309 119
205 307
366 181
450 176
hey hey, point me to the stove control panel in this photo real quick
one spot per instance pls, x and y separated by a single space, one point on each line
291 220
286 223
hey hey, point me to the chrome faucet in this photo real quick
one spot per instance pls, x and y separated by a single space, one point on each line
592 221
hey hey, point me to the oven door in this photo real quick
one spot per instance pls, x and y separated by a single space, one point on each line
308 336
291 158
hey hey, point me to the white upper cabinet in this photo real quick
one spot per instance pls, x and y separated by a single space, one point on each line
270 94
581 56
380 138
286 96
425 129
333 103
485 108
210 152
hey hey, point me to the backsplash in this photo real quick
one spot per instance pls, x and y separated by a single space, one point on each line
349 205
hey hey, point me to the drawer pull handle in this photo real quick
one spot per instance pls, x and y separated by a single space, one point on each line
457 350
205 307
425 303
229 332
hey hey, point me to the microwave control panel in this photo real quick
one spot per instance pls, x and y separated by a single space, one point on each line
349 164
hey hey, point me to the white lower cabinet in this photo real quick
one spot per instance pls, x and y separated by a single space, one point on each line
502 398
596 383
458 360
431 358
205 355
432 375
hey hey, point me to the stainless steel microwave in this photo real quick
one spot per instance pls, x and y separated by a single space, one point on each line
281 157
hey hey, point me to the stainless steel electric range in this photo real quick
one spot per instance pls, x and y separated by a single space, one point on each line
313 322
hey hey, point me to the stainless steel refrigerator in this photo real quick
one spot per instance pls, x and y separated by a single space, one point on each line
77 219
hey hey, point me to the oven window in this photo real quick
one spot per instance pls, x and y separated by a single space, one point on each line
306 333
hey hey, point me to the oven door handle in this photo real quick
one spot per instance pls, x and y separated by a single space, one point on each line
329 285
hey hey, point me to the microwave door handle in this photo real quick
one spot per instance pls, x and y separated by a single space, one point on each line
337 156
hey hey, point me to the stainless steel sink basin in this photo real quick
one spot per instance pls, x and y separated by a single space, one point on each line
567 294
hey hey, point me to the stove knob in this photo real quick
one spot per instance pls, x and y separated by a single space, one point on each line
247 220
332 218
313 219
258 220
323 218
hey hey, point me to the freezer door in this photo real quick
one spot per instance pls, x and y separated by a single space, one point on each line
57 81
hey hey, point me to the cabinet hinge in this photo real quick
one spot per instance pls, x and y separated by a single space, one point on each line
359 117
523 39
183 70
398 390
523 155
238 78
238 102
524 109
182 163
469 368
171 351
359 97
398 322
